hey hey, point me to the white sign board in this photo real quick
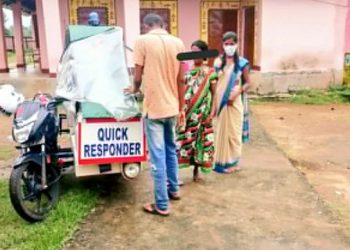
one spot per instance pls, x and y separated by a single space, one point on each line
110 142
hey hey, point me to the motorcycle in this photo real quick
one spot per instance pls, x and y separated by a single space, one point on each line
34 180
105 127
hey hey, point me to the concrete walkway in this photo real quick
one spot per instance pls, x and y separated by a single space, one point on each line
269 205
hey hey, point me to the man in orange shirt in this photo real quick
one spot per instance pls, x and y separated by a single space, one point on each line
163 86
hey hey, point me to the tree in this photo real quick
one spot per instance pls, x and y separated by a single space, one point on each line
27 31
8 31
5 16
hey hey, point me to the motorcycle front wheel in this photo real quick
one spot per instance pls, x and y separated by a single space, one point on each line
27 197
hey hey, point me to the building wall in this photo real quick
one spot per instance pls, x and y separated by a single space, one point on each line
64 12
347 30
53 30
302 34
302 44
346 78
189 21
119 10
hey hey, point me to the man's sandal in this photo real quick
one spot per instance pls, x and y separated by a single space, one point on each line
152 209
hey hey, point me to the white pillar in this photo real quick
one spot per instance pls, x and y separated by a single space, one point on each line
132 25
54 41
3 55
44 64
18 32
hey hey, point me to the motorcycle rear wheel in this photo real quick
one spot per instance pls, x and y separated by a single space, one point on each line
27 198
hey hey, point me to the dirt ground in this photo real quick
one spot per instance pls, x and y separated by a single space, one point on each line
7 144
271 204
268 205
317 140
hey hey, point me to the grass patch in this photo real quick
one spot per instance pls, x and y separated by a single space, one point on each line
11 57
334 94
6 153
339 94
72 207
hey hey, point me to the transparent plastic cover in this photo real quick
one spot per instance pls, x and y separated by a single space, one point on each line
94 69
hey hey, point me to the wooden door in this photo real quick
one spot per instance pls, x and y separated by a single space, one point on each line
164 13
219 22
249 34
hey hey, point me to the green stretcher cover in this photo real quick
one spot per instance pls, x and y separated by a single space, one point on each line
78 32
94 110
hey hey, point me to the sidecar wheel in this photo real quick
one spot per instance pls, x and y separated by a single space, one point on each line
27 198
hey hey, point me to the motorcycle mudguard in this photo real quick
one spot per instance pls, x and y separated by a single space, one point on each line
28 157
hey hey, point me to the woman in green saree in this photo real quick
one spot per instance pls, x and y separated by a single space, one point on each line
196 139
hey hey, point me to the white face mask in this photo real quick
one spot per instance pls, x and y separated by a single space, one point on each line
230 49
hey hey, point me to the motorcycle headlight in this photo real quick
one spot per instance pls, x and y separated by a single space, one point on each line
21 135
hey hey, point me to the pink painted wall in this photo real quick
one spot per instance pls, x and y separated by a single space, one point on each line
131 26
119 11
187 31
3 57
189 21
302 35
18 33
258 32
347 30
44 64
54 41
64 13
